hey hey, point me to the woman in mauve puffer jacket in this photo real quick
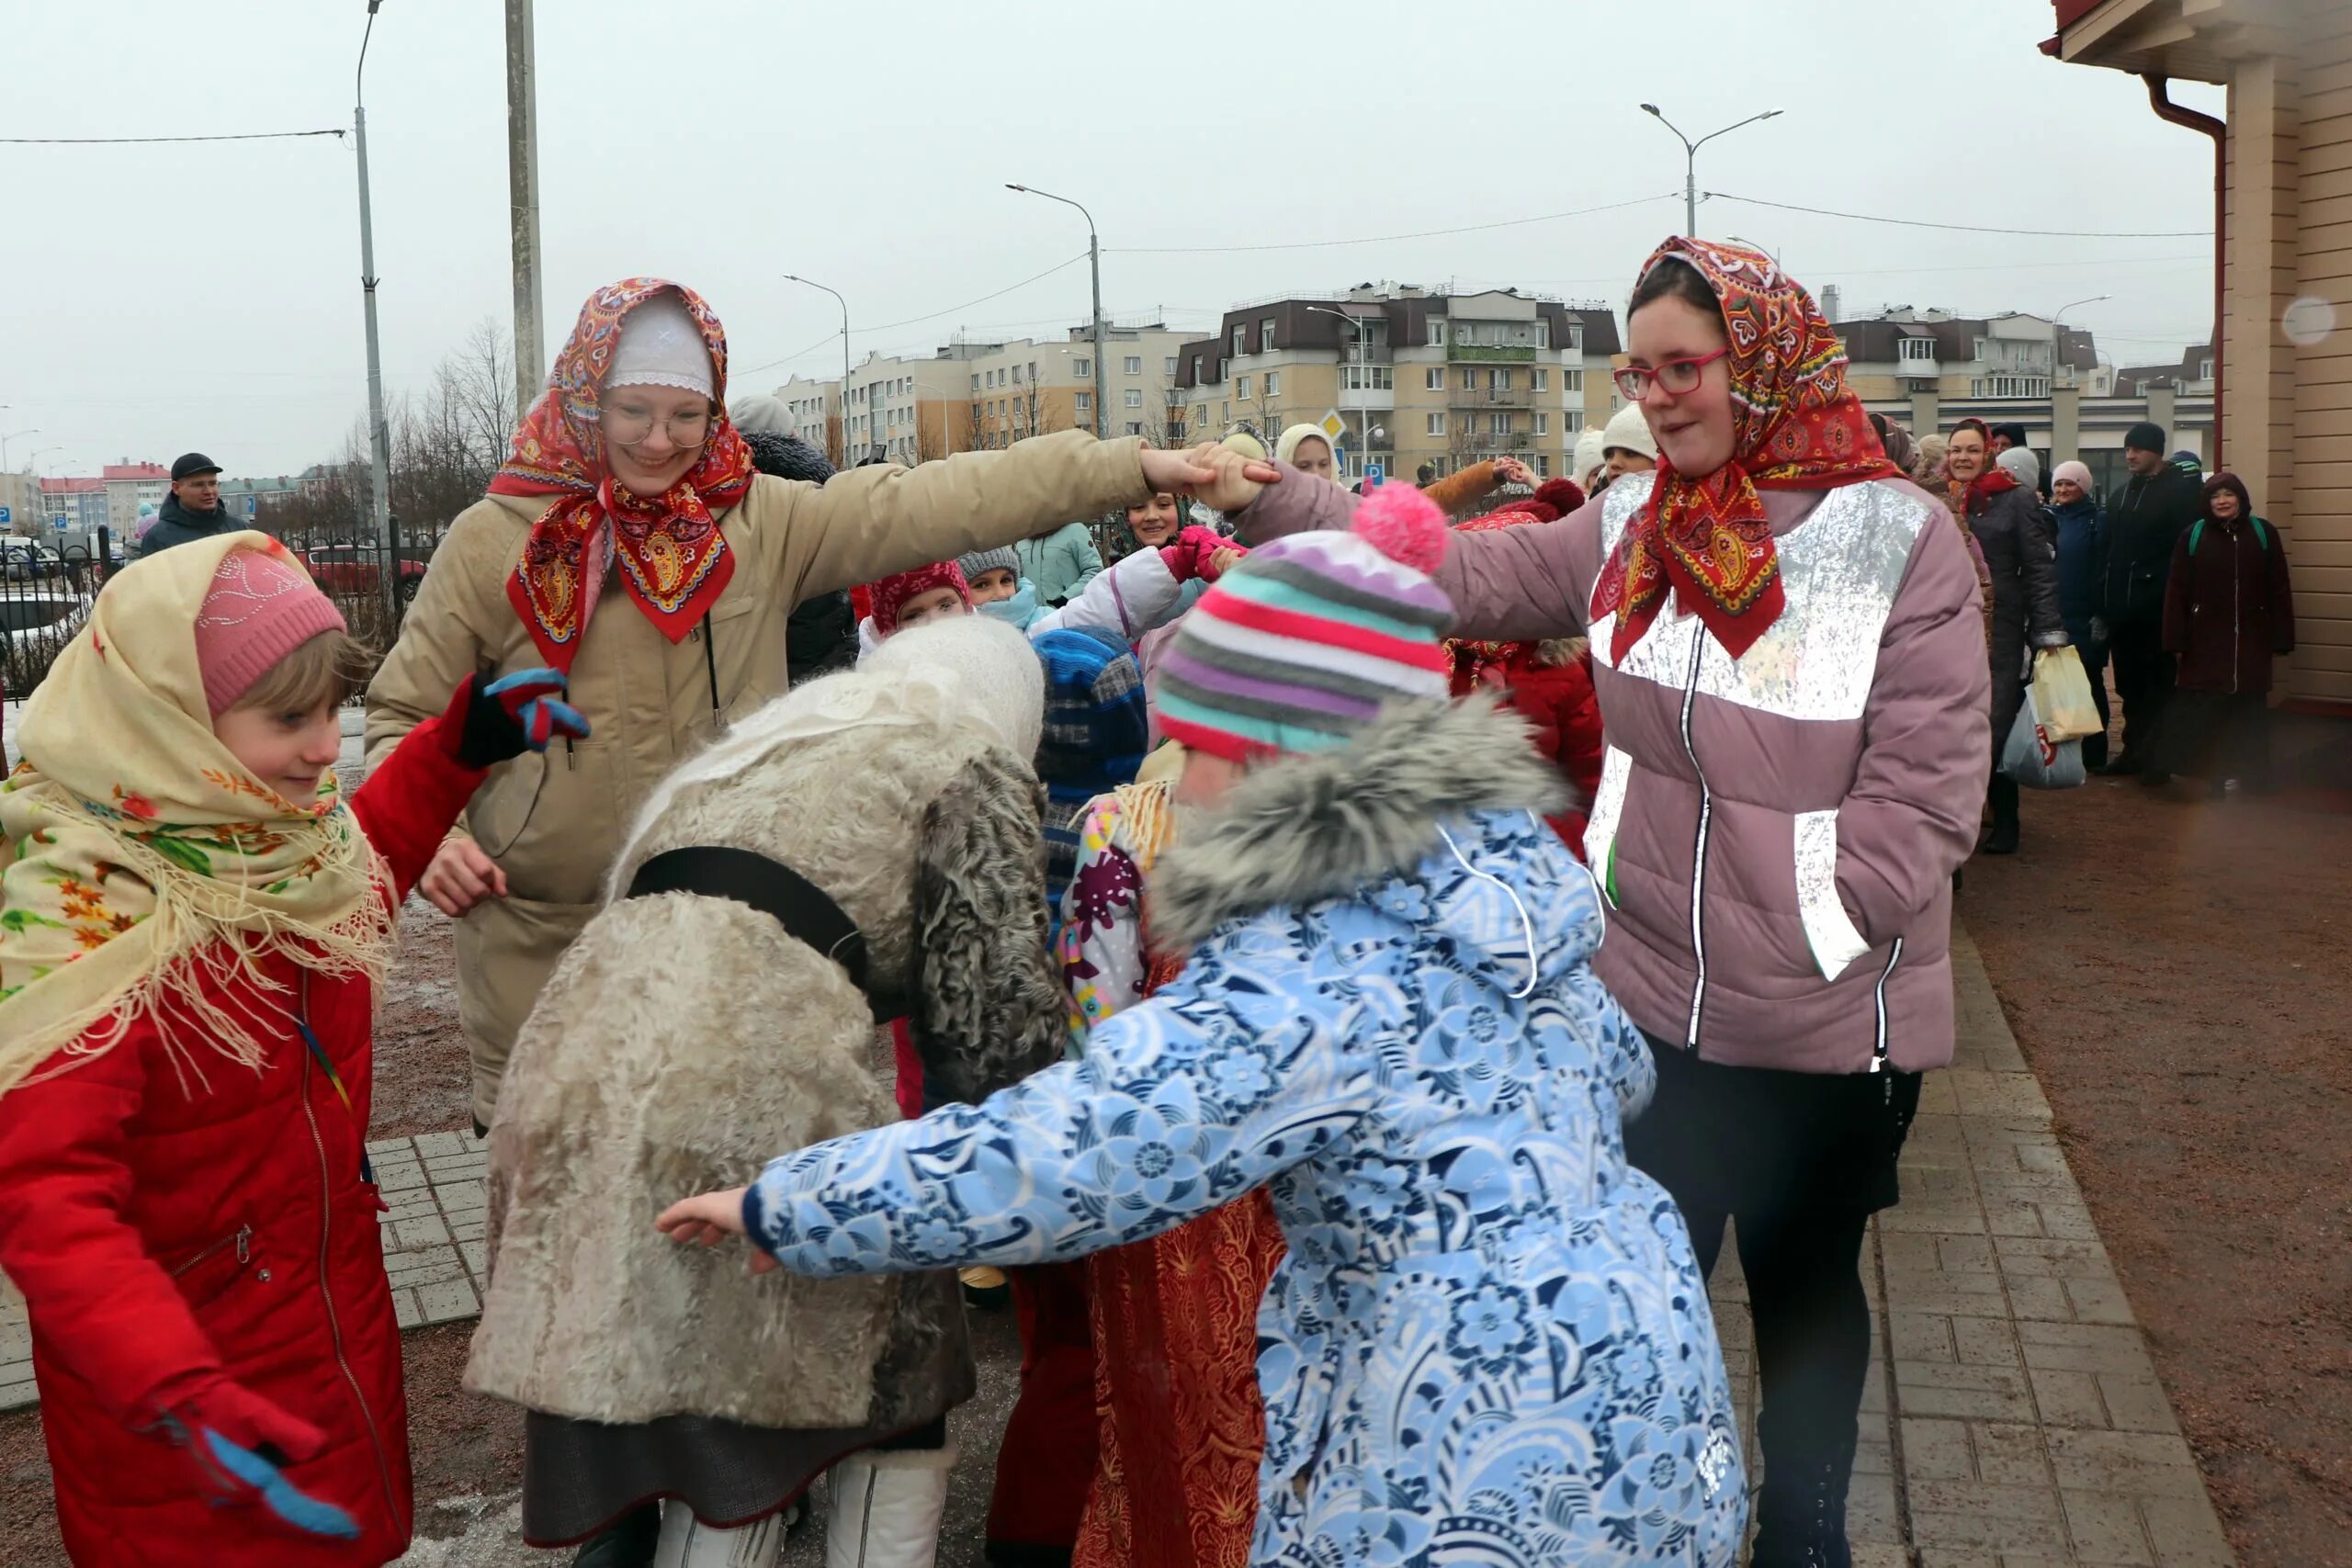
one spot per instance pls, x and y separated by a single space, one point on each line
1789 648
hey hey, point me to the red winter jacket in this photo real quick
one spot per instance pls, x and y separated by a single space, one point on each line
164 1229
1559 702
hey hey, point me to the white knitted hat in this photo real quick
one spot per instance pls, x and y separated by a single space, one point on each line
662 346
1629 430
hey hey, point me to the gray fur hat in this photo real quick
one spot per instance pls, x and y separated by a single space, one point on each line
979 561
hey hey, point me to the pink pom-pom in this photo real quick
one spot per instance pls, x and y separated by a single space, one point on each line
1405 526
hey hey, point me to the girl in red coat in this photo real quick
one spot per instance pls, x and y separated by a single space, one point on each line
193 927
1549 683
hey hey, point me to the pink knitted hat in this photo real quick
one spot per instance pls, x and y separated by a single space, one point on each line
260 608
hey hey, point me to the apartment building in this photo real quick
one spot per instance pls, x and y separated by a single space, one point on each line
131 486
1930 370
1415 376
971 396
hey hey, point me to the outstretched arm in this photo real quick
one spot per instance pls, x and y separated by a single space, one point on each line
1182 1103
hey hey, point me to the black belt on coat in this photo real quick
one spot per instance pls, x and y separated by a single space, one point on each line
807 914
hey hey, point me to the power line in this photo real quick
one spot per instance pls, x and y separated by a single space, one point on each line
126 140
1970 228
912 321
1382 239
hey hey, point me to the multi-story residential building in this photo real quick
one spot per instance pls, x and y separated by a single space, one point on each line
1929 369
24 498
80 505
131 486
968 395
2192 376
248 499
1410 377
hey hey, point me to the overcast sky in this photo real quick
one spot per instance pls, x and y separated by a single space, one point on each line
164 298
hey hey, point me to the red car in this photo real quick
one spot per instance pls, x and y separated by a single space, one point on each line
352 570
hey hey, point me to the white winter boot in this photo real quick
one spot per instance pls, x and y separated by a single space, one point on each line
687 1543
882 1509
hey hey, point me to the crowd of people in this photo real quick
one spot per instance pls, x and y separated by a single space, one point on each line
1341 965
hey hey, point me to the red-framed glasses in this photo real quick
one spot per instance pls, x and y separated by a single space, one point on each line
1678 377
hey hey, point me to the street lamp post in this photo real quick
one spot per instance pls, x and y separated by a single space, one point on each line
812 283
380 443
1095 255
1690 160
11 437
1362 327
2058 331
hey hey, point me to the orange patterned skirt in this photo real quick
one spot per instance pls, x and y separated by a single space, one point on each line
1176 1383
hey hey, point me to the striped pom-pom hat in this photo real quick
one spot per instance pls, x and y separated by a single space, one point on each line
1297 647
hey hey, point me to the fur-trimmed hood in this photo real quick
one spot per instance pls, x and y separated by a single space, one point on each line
1305 829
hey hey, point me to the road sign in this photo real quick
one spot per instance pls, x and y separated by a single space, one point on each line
1373 476
249 504
4 517
1332 425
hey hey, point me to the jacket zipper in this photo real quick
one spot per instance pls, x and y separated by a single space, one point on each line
326 1295
1878 1056
243 1241
2234 631
1699 845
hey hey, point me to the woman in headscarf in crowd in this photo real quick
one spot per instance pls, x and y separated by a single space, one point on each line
631 542
2082 566
2229 610
2006 517
1788 654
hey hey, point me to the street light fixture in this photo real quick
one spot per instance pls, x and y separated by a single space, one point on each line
1363 326
1690 159
812 283
1756 245
1095 255
11 437
380 441
2058 329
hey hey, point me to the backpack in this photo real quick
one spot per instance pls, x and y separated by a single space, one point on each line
2261 534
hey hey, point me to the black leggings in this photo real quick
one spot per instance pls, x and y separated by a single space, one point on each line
1813 1329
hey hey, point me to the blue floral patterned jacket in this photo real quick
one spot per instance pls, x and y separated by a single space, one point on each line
1490 1339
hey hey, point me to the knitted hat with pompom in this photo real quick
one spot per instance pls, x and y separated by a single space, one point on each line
1300 645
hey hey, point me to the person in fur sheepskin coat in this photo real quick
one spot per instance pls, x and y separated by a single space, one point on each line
686 1036
1490 1339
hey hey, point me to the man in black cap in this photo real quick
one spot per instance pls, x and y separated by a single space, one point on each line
2143 522
193 509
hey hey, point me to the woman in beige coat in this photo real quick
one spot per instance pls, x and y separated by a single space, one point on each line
629 542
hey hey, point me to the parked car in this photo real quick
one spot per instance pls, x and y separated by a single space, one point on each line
356 570
25 560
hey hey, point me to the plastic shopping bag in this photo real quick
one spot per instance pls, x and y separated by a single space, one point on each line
2061 692
2033 759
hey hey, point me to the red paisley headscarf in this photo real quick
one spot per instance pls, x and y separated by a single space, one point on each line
673 558
1794 426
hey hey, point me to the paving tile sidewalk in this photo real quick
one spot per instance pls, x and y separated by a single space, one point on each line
2012 1417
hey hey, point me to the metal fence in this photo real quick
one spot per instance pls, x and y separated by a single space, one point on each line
46 592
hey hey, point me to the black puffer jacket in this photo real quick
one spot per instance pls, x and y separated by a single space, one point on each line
2145 520
2010 530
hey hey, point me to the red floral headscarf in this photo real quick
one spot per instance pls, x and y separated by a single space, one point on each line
891 594
1794 426
673 557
